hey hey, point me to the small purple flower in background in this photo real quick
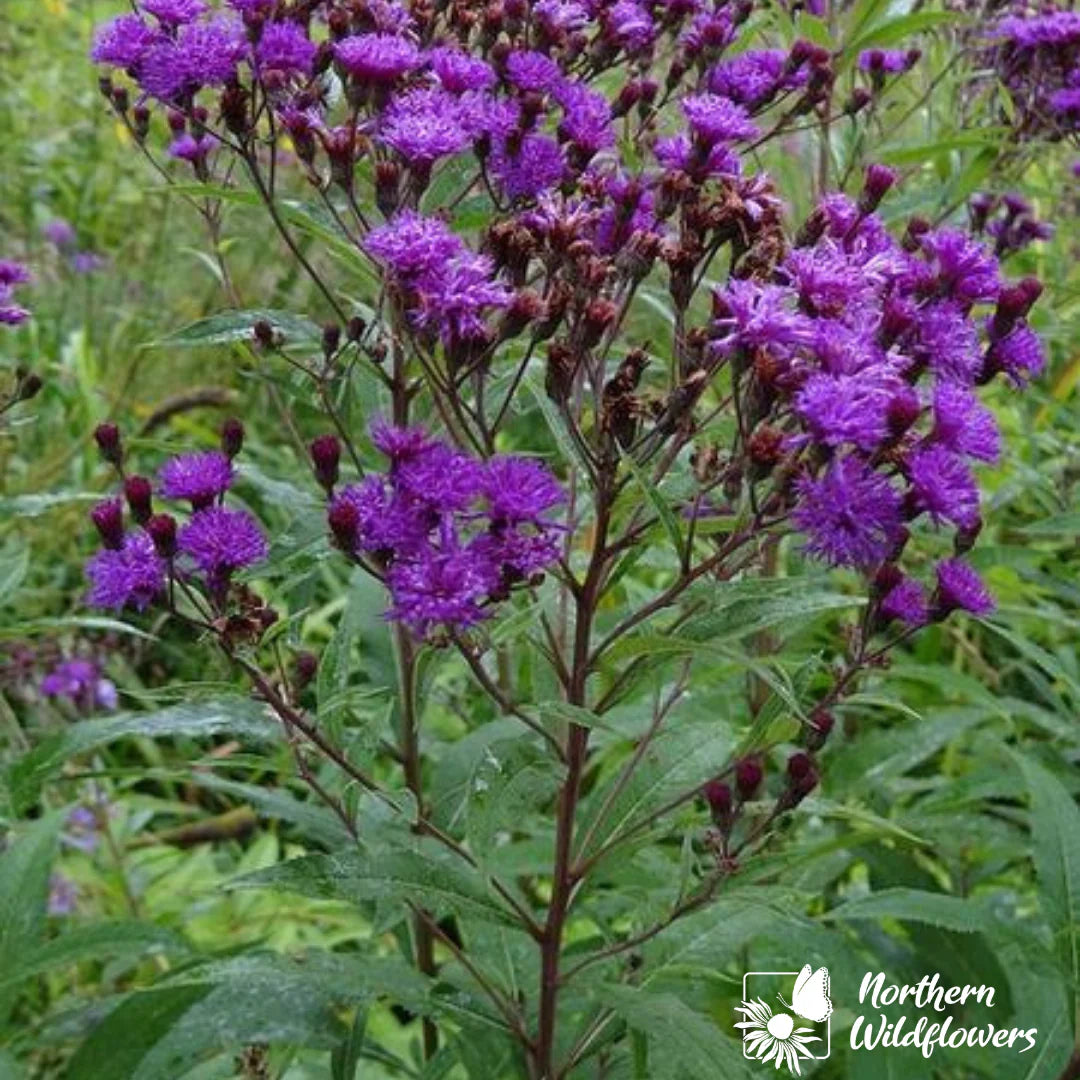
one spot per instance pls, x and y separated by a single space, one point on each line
173 12
12 274
82 683
63 895
961 589
60 233
190 149
519 489
87 262
200 477
132 576
81 829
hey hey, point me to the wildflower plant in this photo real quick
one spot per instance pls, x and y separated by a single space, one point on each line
583 520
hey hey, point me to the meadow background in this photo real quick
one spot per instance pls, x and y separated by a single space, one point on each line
948 809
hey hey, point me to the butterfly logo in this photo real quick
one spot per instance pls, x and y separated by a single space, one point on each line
774 1037
810 998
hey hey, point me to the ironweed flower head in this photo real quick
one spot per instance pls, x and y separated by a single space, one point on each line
131 576
220 540
199 477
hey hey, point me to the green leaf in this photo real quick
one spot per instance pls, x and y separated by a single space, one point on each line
1055 836
14 562
901 28
346 1056
914 905
238 716
396 876
682 1041
656 500
36 505
231 326
557 425
24 890
105 940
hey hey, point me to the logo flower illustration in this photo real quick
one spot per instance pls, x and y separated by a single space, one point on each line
773 1037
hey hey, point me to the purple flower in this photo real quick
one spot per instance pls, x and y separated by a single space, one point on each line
131 576
398 443
586 118
12 273
852 409
188 148
441 588
173 12
441 478
411 246
455 301
459 72
906 601
81 682
252 7
947 340
751 315
961 589
559 17
533 71
59 233
123 42
519 489
943 487
203 54
715 119
965 270
81 829
518 555
423 126
63 895
962 425
220 540
534 164
1019 354
87 262
284 47
197 477
850 514
379 523
753 77
887 61
680 153
377 59
629 25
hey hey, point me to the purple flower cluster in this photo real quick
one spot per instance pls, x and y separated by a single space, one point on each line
135 564
875 349
1037 59
1009 221
452 533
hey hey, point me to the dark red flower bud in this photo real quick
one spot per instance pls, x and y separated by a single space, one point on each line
305 667
140 122
331 339
108 519
162 530
799 767
878 180
139 493
902 411
30 386
177 121
965 538
748 777
821 724
599 315
718 796
913 234
860 98
326 457
344 521
354 328
263 334
107 437
232 437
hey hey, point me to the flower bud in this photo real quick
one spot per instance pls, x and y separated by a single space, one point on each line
331 339
344 521
748 777
718 796
326 457
599 315
821 724
965 538
305 667
878 180
107 437
232 437
30 386
913 234
162 530
354 328
263 333
139 493
902 411
108 519
140 120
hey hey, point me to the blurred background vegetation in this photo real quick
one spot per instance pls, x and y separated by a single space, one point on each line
926 794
